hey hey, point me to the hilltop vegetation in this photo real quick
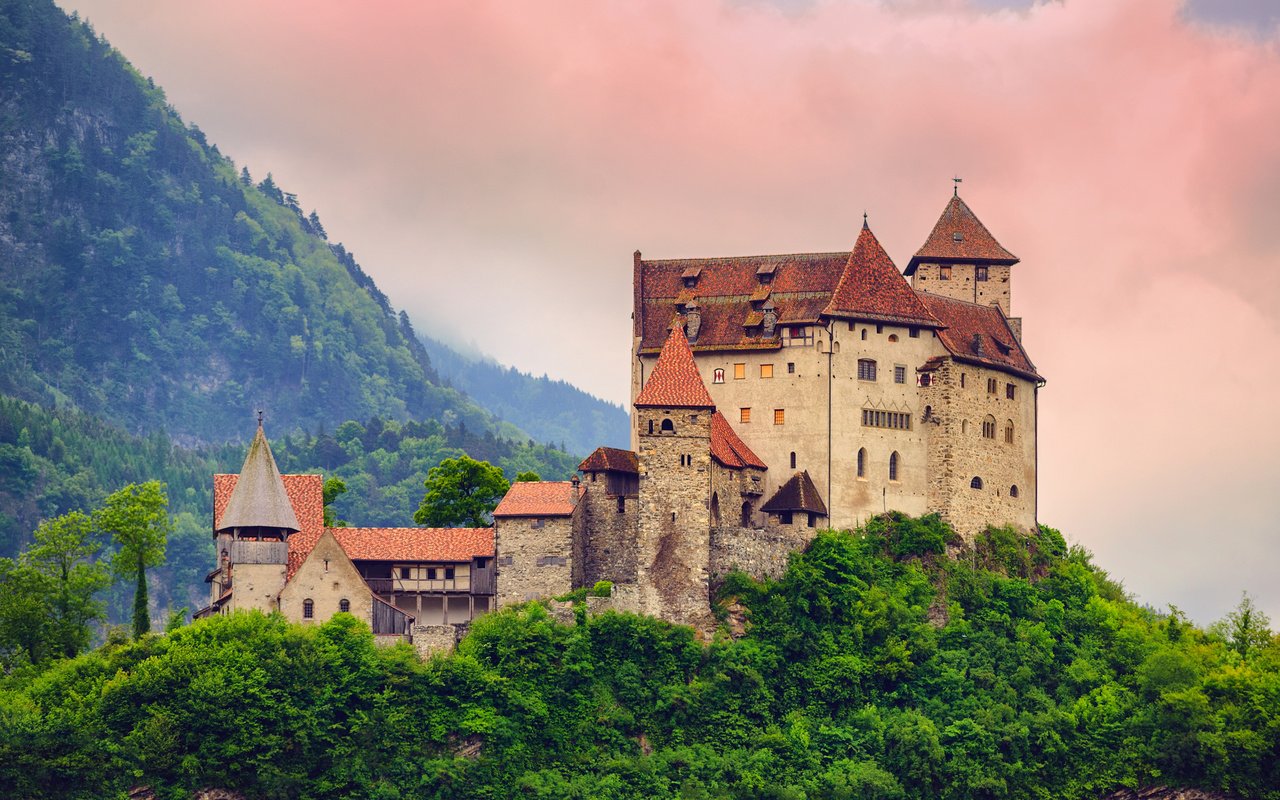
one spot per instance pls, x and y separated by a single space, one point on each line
1032 677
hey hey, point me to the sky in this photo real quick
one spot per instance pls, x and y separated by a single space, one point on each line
493 165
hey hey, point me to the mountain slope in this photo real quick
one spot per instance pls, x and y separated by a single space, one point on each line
143 278
549 410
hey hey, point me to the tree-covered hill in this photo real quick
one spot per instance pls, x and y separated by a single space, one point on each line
145 279
549 410
877 667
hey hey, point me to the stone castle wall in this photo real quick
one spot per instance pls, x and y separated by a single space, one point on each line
535 557
959 400
609 536
326 578
758 552
964 285
672 538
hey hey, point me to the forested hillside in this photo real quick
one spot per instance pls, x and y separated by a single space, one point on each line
548 410
877 667
144 278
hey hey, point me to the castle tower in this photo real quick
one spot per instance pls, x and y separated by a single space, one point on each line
673 427
253 533
963 261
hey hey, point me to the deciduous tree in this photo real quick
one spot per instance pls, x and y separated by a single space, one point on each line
461 491
137 518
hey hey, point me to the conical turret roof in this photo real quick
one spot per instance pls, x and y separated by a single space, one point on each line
259 499
960 236
675 381
872 288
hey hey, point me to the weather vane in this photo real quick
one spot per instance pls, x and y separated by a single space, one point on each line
259 418
956 189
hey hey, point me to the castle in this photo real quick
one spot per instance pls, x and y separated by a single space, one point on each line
772 396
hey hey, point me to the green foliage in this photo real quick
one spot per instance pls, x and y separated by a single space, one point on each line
461 491
1035 687
333 488
528 476
136 518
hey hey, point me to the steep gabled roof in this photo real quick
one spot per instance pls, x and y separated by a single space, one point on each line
610 459
728 449
728 292
259 498
306 496
675 381
872 288
539 499
797 494
960 236
979 335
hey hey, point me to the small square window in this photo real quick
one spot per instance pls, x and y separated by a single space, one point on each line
404 573
915 333
944 272
448 573
766 370
779 416
1010 391
431 573
744 415
980 273
899 373
739 371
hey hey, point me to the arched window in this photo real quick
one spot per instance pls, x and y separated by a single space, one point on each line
1008 431
717 376
862 462
964 426
893 337
308 608
866 369
864 334
668 426
976 483
344 605
989 427
793 459
1013 490
893 466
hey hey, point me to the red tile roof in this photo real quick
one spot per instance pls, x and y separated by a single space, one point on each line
872 288
728 449
610 459
539 499
415 544
797 494
675 381
979 335
960 236
725 288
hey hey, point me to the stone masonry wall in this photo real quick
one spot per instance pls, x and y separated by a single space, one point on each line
609 537
673 536
997 289
326 578
759 553
535 557
958 451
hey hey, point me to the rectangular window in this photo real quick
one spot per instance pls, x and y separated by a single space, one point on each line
1010 391
431 573
779 416
791 367
866 369
717 376
448 573
744 415
899 373
622 505
739 371
944 272
915 333
404 573
991 385
980 273
893 420
766 370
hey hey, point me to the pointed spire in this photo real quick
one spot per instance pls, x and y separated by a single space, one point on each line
872 288
960 236
259 499
675 381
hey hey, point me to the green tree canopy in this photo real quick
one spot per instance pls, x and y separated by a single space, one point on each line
137 519
528 476
461 492
64 552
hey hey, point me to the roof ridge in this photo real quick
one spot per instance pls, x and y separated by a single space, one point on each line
704 260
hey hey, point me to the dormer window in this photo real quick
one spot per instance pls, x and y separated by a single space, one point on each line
765 273
957 237
690 276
